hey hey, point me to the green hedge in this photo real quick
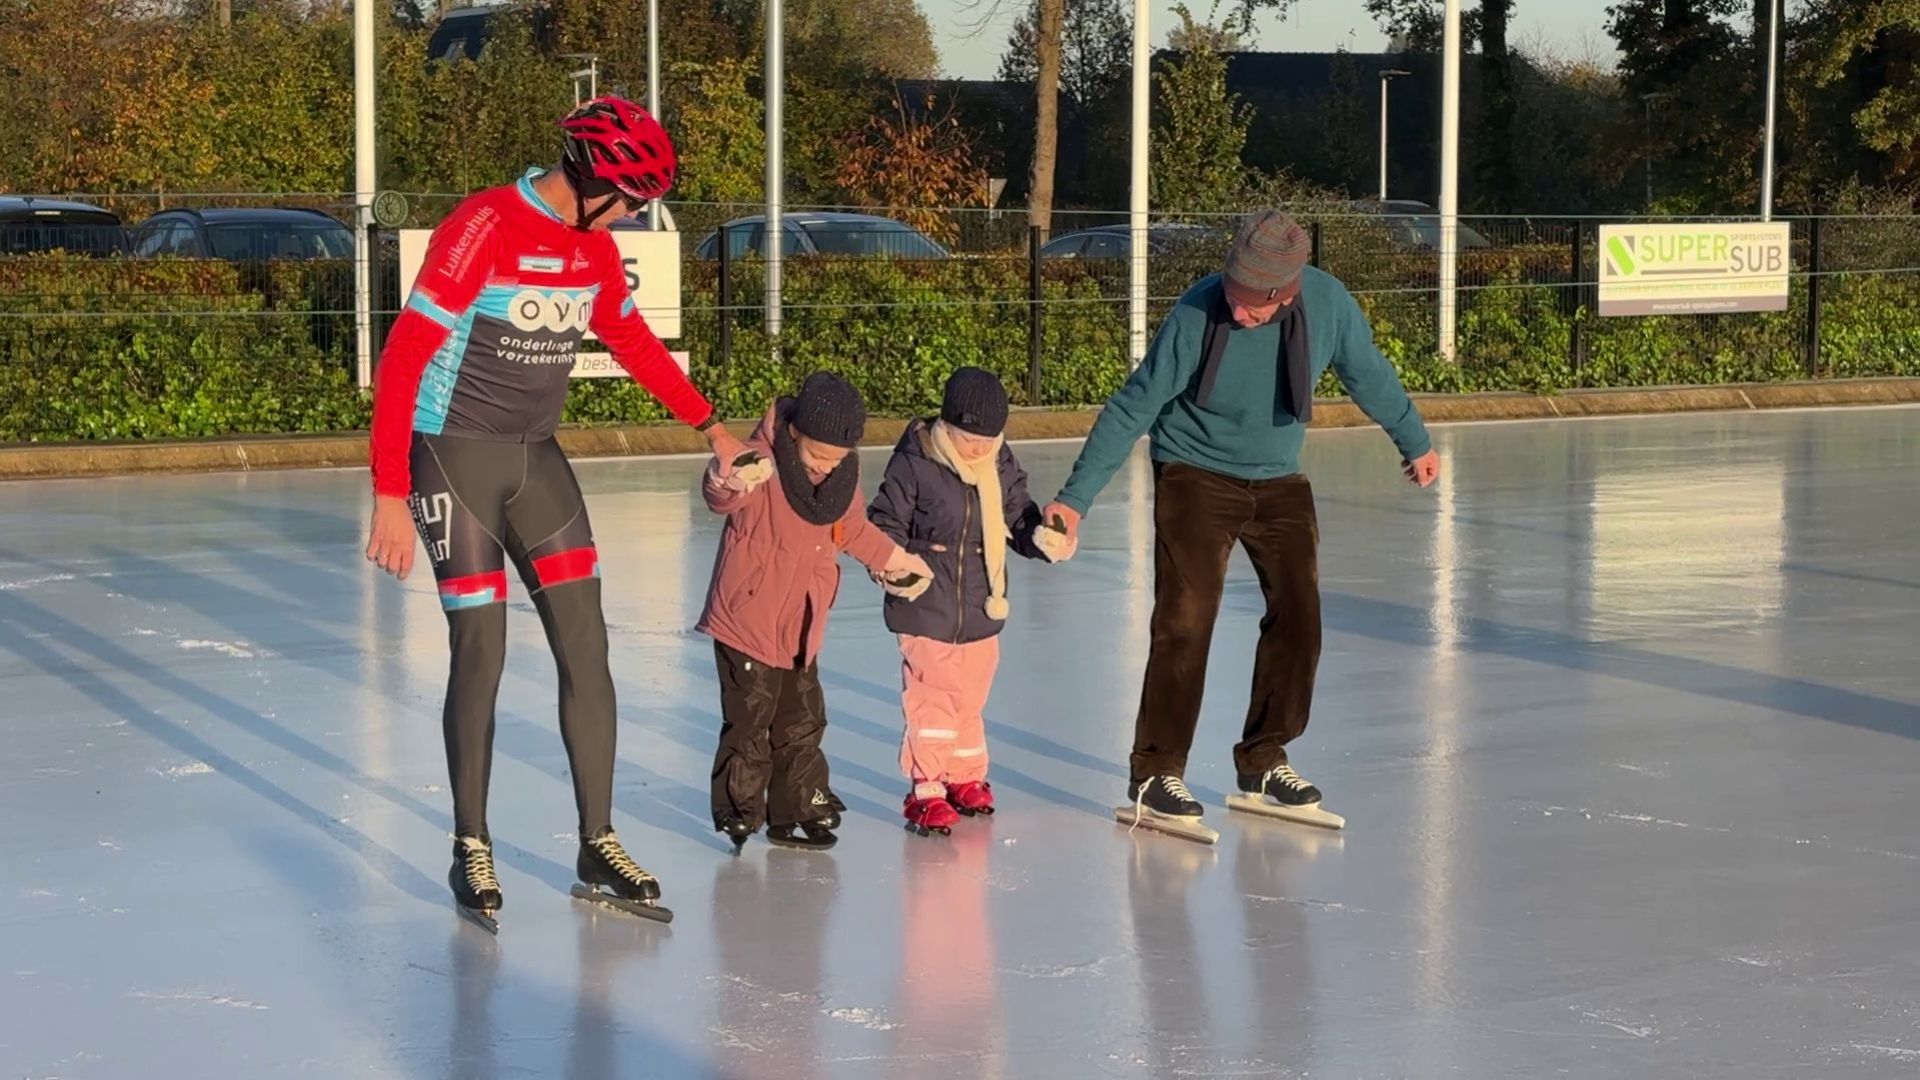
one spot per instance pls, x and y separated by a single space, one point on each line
116 349
124 349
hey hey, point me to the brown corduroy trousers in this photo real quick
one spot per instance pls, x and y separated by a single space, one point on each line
1198 518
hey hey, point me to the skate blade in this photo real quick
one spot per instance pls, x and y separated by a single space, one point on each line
1184 828
794 845
1299 815
984 811
923 830
630 907
482 919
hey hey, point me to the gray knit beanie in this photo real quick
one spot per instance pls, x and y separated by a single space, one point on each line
1267 256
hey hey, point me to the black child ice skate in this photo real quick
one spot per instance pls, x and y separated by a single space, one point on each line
831 819
806 836
737 830
476 888
1282 793
609 877
1164 803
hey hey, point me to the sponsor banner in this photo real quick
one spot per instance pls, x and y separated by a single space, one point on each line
652 262
1692 269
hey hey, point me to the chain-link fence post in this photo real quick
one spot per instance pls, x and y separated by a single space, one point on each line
1036 315
1813 298
1576 338
723 352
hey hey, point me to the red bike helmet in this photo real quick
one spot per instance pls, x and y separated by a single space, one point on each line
614 145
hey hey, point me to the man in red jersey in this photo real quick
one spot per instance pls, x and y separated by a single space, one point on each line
469 392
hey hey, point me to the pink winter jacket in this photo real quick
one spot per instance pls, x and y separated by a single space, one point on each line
772 563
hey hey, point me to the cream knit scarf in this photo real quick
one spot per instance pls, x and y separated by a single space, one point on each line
984 477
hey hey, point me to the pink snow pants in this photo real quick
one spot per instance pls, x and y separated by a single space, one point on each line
944 692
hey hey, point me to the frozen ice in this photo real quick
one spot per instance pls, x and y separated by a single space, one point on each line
1621 715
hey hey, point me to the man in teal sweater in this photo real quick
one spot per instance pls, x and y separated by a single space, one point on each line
1226 392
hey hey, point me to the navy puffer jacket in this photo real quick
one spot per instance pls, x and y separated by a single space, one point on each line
931 512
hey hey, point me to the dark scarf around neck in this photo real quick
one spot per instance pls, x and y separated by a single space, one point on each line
817 504
1294 379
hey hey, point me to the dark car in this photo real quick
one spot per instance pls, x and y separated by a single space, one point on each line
29 224
813 233
1414 224
1116 241
244 235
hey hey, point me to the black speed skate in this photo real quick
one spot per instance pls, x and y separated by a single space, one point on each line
1166 796
1282 793
1163 803
476 888
1282 785
609 877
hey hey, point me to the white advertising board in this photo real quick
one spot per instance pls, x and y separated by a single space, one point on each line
1694 268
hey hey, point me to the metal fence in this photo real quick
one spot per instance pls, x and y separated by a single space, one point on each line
904 295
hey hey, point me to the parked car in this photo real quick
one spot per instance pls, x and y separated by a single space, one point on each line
244 234
813 233
30 224
1416 225
1115 241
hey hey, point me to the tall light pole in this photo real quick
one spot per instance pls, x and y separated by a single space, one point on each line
1137 218
776 168
1449 178
1385 77
653 89
365 178
1646 140
1776 10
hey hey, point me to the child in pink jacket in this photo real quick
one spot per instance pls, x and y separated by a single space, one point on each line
774 580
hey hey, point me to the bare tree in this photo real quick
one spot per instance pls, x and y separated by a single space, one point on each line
1046 114
1050 20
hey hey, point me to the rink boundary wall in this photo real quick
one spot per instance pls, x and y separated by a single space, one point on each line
350 448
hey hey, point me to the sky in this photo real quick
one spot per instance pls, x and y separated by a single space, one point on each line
1572 29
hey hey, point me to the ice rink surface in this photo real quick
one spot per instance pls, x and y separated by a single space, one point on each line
1622 715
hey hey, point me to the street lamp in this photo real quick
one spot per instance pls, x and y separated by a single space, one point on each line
1776 10
1449 177
1385 77
589 76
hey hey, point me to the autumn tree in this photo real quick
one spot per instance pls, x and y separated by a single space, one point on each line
914 163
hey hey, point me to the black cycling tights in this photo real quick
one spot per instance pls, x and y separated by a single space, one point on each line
478 503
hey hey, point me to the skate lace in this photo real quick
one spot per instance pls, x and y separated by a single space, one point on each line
1172 783
1286 775
616 856
478 858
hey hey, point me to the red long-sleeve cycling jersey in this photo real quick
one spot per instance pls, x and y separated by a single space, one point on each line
488 337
